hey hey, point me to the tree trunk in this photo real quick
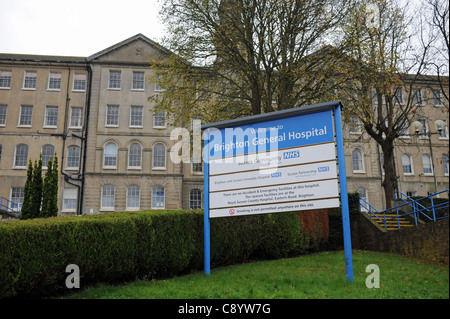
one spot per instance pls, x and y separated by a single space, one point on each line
390 184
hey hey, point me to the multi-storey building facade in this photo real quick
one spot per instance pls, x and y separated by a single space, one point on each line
115 150
42 111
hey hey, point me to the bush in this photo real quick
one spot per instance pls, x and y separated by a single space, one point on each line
115 247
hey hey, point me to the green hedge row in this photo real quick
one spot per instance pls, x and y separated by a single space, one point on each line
115 247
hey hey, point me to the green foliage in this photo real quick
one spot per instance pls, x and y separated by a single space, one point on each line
27 205
114 247
50 190
37 188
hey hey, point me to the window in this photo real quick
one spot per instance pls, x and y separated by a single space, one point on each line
3 109
1 149
73 157
411 193
437 98
26 114
17 197
138 81
445 164
51 116
358 163
21 156
76 117
108 197
112 115
423 134
133 197
134 155
5 79
195 199
442 134
427 167
79 82
197 167
407 164
417 96
48 151
363 194
404 130
54 81
114 80
70 199
158 197
29 80
355 126
160 119
398 96
110 155
136 116
159 156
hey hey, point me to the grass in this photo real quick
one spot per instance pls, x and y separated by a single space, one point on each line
316 276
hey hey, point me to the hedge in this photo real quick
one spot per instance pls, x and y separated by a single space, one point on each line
115 247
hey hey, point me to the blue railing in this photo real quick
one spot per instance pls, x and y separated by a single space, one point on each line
9 206
419 211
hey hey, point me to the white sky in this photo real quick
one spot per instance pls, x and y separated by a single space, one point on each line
74 28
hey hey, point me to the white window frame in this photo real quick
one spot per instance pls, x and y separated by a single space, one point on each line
3 122
154 201
27 77
22 198
15 157
72 117
191 199
136 107
72 157
103 195
411 164
116 156
115 80
138 197
54 76
77 81
139 81
155 167
361 160
44 161
425 165
70 194
130 154
46 117
5 77
20 116
108 108
159 115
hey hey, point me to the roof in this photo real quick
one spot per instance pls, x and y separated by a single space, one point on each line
127 41
40 58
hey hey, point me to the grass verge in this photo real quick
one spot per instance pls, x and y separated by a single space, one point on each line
316 276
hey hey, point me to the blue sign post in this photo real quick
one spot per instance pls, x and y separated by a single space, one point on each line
276 162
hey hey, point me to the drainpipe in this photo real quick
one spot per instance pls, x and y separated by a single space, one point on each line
85 135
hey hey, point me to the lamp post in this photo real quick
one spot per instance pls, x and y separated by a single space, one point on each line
439 126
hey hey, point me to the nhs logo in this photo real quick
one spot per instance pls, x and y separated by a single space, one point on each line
276 174
323 169
291 154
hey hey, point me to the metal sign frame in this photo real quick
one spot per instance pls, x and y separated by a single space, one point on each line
309 110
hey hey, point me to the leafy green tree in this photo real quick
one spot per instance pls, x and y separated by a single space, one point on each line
53 196
37 188
26 211
47 190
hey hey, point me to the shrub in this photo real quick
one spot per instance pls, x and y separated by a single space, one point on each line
114 247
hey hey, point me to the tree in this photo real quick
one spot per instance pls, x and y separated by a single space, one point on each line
27 205
37 188
243 57
381 64
50 190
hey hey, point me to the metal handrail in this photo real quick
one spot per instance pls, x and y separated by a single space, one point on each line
9 206
418 209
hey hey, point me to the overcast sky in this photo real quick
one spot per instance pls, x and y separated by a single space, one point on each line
74 28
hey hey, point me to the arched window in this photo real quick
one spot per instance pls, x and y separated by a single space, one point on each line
195 199
158 197
48 151
357 158
134 155
73 156
110 155
21 156
407 164
426 162
159 156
